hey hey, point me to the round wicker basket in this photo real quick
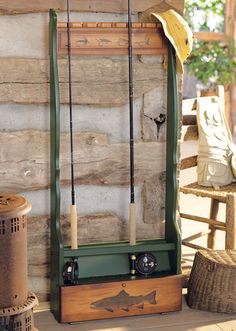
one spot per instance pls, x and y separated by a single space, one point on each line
212 283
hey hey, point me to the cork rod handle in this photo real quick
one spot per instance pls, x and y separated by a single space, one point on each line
132 224
73 224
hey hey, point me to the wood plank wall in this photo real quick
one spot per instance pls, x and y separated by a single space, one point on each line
100 88
111 6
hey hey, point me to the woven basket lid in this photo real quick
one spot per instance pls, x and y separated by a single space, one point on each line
220 257
13 205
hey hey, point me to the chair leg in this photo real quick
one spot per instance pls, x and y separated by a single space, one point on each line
213 215
230 236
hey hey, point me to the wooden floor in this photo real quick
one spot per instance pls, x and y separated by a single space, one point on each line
186 320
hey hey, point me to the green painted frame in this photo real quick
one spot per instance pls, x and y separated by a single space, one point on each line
95 259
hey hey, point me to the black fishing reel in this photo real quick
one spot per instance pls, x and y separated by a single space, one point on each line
71 272
144 264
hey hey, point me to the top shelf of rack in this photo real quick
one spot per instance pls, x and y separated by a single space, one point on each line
110 38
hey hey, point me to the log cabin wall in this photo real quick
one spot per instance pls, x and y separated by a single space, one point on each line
101 130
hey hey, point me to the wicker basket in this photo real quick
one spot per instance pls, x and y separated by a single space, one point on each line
212 283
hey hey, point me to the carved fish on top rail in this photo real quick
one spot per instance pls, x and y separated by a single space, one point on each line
84 41
124 301
103 41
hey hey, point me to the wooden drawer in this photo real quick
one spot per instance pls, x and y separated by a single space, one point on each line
119 299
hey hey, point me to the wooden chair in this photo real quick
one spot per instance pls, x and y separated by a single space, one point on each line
226 194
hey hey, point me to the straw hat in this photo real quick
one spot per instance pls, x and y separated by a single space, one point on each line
175 28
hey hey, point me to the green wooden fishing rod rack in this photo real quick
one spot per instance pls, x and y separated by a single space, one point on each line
109 262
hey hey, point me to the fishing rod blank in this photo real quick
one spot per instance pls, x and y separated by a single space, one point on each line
132 222
73 211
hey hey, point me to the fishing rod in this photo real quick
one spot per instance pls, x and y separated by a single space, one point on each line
132 221
73 211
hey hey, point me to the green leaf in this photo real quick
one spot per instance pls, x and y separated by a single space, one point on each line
213 61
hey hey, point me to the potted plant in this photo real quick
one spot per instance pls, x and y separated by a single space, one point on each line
213 63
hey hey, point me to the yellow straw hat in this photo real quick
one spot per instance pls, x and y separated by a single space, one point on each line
176 30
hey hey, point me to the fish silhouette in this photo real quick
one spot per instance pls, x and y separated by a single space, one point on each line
103 41
124 301
83 41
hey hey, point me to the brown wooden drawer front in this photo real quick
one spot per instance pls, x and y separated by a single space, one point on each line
119 299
